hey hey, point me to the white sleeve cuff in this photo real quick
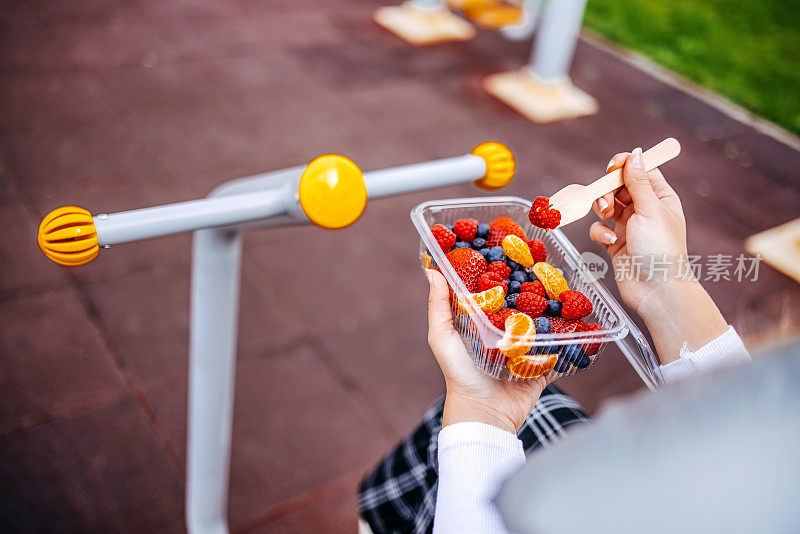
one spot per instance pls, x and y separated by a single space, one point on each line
474 461
726 350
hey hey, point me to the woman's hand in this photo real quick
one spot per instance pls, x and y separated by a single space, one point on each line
472 395
647 245
649 227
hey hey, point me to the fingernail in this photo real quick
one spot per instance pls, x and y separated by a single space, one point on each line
610 238
602 203
610 164
636 158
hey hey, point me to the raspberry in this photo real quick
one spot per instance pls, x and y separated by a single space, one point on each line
576 305
534 287
531 303
466 229
469 265
443 236
501 227
542 215
500 268
559 325
499 319
592 348
538 250
490 279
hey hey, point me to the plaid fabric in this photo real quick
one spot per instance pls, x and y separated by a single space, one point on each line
399 495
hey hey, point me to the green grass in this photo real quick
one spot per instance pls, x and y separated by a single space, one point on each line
745 50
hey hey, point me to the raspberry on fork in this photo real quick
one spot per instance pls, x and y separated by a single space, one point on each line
542 215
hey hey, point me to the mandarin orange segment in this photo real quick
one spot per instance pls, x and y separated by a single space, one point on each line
518 337
552 280
489 301
531 366
518 250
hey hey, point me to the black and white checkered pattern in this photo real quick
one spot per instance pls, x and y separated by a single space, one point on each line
399 495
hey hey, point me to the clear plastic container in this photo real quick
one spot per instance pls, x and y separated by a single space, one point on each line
482 338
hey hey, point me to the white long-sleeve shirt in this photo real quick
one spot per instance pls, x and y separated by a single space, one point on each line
475 458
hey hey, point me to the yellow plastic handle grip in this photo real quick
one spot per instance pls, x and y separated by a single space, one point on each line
500 165
332 191
68 237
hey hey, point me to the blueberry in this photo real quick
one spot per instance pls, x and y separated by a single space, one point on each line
496 254
478 243
433 263
483 231
583 362
553 308
511 300
513 287
460 244
514 265
532 277
449 227
573 354
484 252
542 325
562 366
519 276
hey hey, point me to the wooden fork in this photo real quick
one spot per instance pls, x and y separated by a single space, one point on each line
575 201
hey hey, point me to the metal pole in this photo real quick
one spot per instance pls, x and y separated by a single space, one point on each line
145 223
426 5
216 264
556 39
419 176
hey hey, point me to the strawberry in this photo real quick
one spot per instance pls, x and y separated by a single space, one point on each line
538 250
559 325
501 227
499 318
490 279
500 268
533 287
531 303
465 229
576 305
443 236
542 215
469 265
592 348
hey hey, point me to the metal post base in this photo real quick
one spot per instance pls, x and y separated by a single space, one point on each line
539 101
422 27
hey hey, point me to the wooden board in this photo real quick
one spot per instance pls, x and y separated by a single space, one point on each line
421 28
779 247
540 102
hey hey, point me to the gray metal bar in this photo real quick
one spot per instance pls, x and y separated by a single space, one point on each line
216 265
145 223
419 176
555 42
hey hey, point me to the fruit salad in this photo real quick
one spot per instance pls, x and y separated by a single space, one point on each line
521 294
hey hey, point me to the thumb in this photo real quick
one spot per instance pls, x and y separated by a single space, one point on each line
638 184
440 318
